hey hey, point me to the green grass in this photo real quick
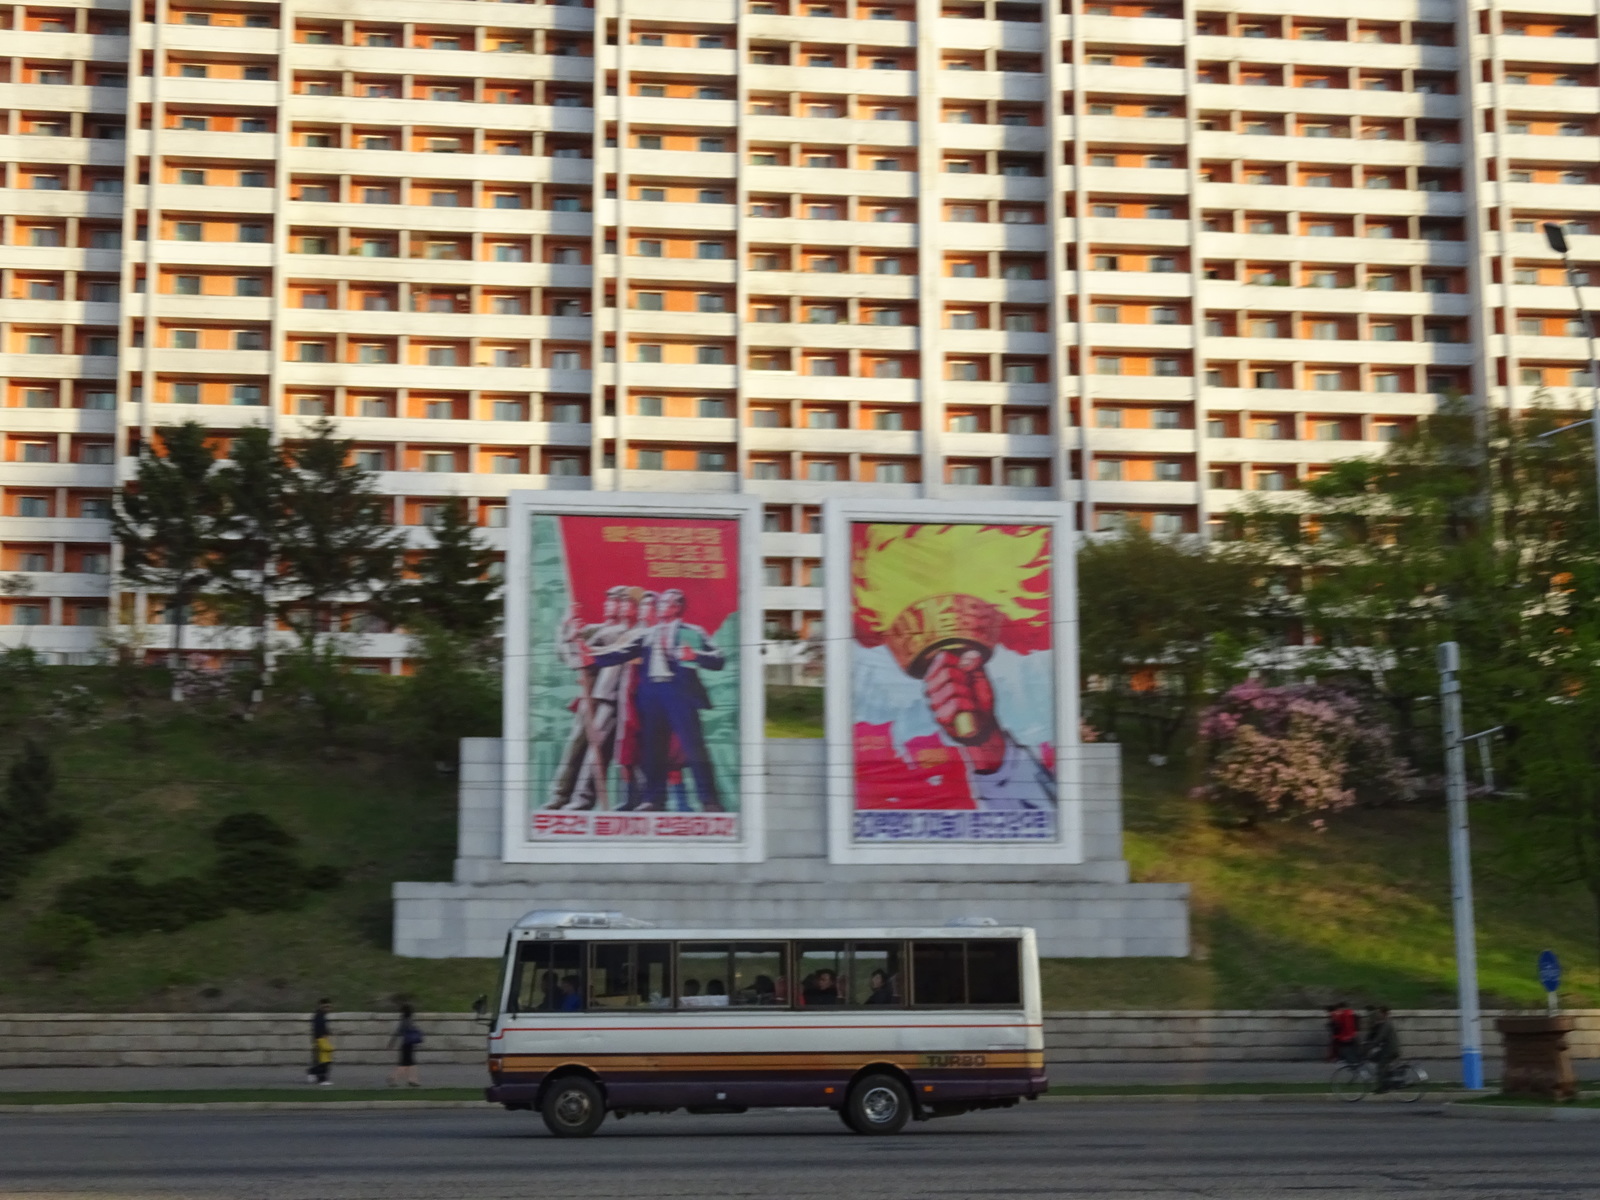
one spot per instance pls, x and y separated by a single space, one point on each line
794 712
318 1095
155 796
1285 917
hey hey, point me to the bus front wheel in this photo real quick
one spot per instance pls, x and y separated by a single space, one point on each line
573 1107
878 1104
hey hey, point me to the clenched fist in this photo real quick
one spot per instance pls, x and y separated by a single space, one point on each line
962 700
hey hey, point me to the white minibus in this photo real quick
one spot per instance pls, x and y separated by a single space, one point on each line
599 1013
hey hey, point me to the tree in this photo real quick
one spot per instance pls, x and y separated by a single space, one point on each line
336 543
453 693
252 485
1455 534
166 523
1164 623
451 586
1482 529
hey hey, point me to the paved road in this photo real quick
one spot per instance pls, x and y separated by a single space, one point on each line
1079 1152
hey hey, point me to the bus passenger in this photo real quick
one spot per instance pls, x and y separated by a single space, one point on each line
880 992
716 994
571 999
766 992
550 992
824 989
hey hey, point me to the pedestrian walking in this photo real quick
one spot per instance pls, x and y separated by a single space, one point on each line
407 1037
321 1044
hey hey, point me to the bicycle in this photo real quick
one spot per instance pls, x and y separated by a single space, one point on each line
1407 1082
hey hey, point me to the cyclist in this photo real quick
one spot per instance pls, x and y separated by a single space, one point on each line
1344 1034
1382 1045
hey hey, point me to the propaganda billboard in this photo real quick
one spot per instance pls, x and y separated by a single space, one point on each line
634 690
950 678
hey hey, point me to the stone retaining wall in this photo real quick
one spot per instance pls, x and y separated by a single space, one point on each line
278 1039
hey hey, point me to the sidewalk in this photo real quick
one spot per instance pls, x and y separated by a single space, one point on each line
472 1075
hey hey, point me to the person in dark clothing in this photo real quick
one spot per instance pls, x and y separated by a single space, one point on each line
321 1044
1383 1044
407 1037
879 991
823 990
1344 1034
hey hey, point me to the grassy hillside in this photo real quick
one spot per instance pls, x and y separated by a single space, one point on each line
1282 916
1287 917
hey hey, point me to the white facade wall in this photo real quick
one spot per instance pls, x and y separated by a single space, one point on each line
1148 256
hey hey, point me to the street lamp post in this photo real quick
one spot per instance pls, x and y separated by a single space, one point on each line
1557 237
1455 759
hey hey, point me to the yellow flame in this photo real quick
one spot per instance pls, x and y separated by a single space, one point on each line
902 564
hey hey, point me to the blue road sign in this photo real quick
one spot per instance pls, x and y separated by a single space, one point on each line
1549 970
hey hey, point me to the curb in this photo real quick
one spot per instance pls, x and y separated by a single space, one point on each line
1225 1098
1506 1112
241 1106
123 1106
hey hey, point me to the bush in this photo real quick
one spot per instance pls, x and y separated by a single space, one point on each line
256 872
323 878
259 879
1300 750
28 826
250 829
58 941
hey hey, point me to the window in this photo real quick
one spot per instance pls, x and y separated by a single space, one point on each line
33 506
244 393
822 471
977 972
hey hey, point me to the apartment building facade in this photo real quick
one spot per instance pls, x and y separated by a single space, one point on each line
1144 257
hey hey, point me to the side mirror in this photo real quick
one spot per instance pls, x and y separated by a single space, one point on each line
480 1007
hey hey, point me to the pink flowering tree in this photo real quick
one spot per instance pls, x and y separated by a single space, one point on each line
1303 750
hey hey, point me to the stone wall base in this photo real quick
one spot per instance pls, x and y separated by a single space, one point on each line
283 1039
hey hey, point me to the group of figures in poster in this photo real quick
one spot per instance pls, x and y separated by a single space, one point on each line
637 702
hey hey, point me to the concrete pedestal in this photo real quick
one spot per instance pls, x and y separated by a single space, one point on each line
1538 1064
1081 910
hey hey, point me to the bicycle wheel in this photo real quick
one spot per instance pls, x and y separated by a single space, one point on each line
1352 1082
1410 1084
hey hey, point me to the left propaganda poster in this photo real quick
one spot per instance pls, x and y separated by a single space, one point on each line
633 701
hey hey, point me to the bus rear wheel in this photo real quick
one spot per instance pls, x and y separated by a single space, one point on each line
573 1107
878 1104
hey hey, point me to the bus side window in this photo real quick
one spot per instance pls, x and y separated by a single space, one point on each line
994 972
877 974
703 974
939 973
954 973
630 975
548 973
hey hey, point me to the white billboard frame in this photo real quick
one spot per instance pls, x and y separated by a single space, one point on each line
838 625
516 845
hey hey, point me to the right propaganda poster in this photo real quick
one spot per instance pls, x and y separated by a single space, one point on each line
954 652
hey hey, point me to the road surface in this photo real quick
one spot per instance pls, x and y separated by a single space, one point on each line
1122 1152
